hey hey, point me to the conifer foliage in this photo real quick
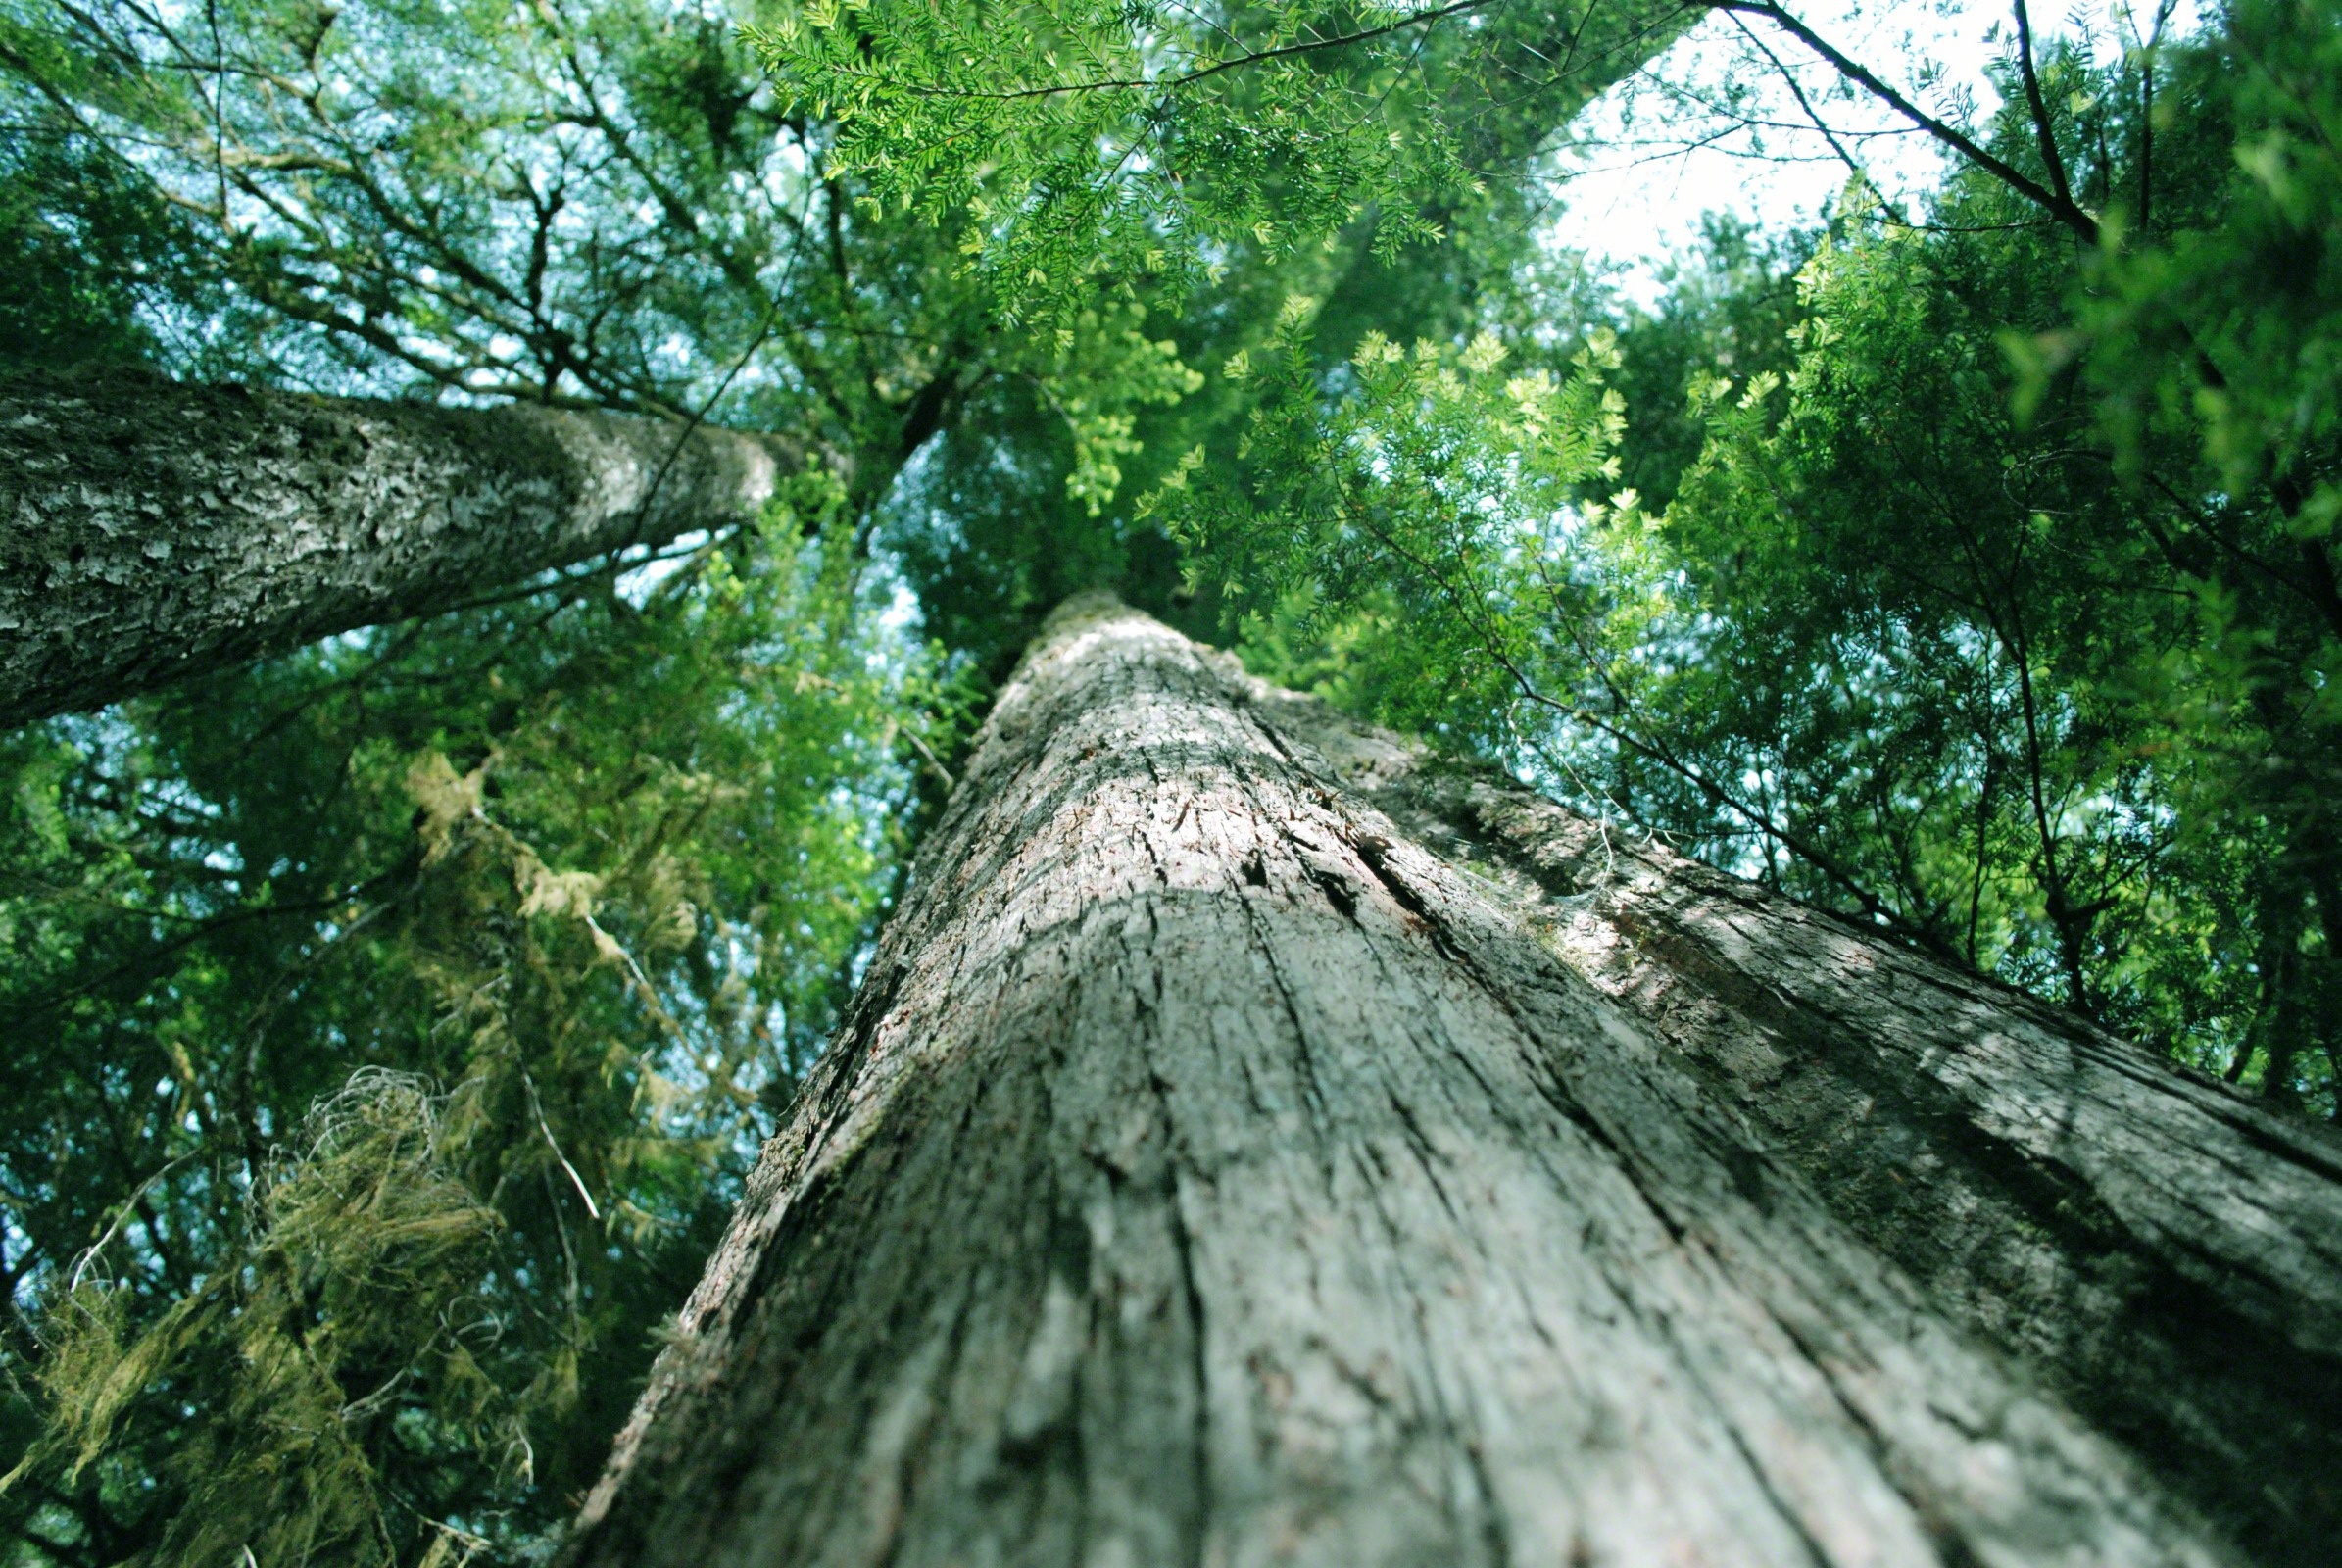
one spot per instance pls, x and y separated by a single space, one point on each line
391 1027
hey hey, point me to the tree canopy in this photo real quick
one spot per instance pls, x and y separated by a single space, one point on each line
392 1023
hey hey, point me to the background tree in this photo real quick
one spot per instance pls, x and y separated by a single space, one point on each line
158 530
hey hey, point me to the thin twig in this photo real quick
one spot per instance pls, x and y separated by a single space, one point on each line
537 1106
122 1217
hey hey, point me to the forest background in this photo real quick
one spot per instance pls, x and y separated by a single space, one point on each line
389 1024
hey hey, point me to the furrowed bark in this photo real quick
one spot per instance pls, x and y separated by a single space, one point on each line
1211 1173
151 530
2161 1251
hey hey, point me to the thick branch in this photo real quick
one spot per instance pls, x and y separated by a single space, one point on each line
2062 208
2044 129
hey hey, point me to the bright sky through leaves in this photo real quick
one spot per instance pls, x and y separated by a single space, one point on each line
1707 126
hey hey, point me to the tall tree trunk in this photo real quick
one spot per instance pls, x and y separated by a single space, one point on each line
1253 1144
150 530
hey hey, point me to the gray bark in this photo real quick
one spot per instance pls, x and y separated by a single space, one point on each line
150 530
1252 1145
2161 1252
